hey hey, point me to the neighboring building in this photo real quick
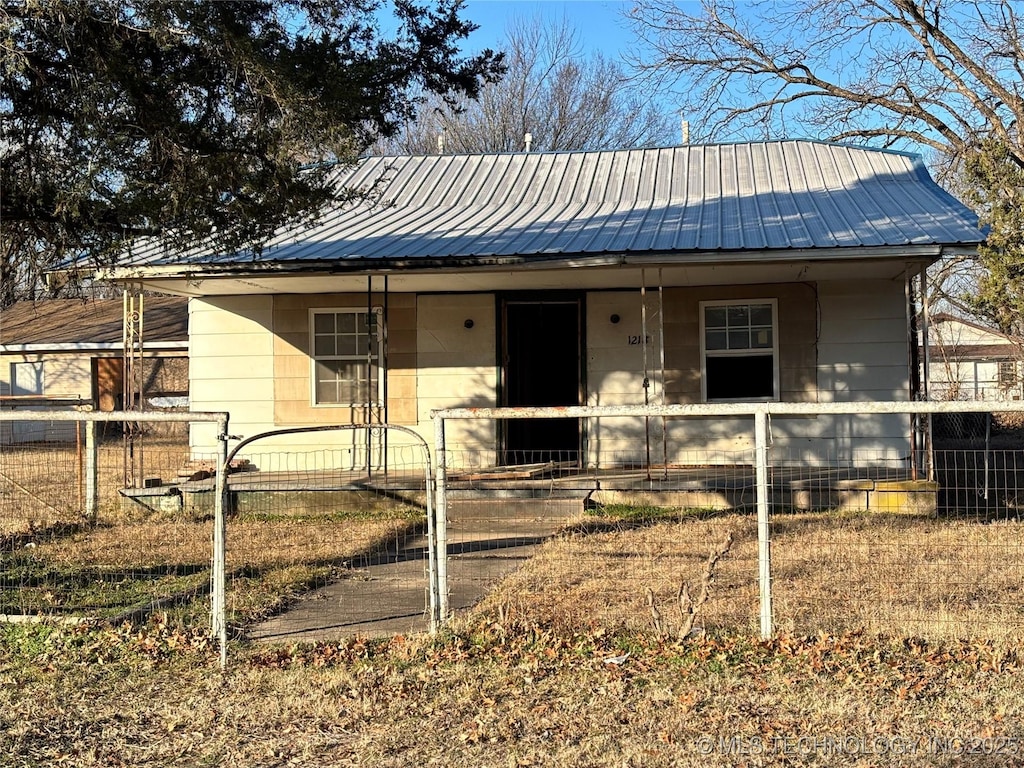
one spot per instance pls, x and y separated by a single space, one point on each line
750 271
69 353
968 361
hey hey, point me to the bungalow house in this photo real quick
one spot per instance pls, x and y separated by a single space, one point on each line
69 353
773 270
969 361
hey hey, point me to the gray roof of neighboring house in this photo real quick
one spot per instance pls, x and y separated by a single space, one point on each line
999 345
773 195
80 323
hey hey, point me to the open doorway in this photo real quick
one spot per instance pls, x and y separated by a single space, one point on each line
541 353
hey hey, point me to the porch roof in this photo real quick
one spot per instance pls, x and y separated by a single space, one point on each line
673 205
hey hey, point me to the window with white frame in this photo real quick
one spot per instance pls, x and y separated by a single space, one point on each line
27 378
739 350
346 359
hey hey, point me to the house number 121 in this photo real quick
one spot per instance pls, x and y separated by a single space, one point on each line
638 339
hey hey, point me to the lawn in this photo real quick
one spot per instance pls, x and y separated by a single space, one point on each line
894 574
576 659
506 694
618 643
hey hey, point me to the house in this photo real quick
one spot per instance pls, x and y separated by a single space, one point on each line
69 353
969 361
774 270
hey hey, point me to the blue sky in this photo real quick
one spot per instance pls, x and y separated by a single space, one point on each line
600 23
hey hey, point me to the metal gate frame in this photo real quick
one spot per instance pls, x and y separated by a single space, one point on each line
220 535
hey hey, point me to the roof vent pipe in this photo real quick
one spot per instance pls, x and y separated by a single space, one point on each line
528 141
440 142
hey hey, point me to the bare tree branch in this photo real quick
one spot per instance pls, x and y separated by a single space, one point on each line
551 90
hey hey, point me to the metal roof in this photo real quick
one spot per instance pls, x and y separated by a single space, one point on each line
676 200
89 322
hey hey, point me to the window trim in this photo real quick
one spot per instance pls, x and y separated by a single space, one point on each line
314 359
704 353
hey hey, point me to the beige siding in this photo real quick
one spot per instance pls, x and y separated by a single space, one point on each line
856 351
863 356
840 341
231 343
458 368
863 351
617 360
616 370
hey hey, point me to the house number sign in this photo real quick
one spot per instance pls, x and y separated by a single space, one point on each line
638 339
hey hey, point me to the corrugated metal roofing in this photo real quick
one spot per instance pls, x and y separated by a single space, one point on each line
100 321
700 198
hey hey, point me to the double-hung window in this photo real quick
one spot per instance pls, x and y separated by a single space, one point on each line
346 359
739 350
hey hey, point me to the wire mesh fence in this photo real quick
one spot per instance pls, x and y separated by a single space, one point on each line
671 524
621 546
877 528
78 542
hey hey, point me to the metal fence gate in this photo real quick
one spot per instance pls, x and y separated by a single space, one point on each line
330 531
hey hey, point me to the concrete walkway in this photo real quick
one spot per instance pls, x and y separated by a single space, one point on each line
386 593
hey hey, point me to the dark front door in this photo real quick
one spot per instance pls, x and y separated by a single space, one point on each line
541 353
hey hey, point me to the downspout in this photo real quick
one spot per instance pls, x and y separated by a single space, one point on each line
913 348
925 357
647 380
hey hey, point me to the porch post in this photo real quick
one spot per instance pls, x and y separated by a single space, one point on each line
926 363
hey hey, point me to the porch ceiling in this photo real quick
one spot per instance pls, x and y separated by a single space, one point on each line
537 277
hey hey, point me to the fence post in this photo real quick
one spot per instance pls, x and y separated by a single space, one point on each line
764 561
218 619
432 581
441 518
92 492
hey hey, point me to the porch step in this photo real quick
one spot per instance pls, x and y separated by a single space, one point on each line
508 509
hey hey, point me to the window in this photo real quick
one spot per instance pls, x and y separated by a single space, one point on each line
346 357
27 378
739 348
1007 374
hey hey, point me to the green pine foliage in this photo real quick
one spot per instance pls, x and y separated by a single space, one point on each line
199 120
996 187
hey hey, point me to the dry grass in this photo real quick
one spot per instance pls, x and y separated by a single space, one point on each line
560 666
891 574
900 575
134 556
42 485
498 696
